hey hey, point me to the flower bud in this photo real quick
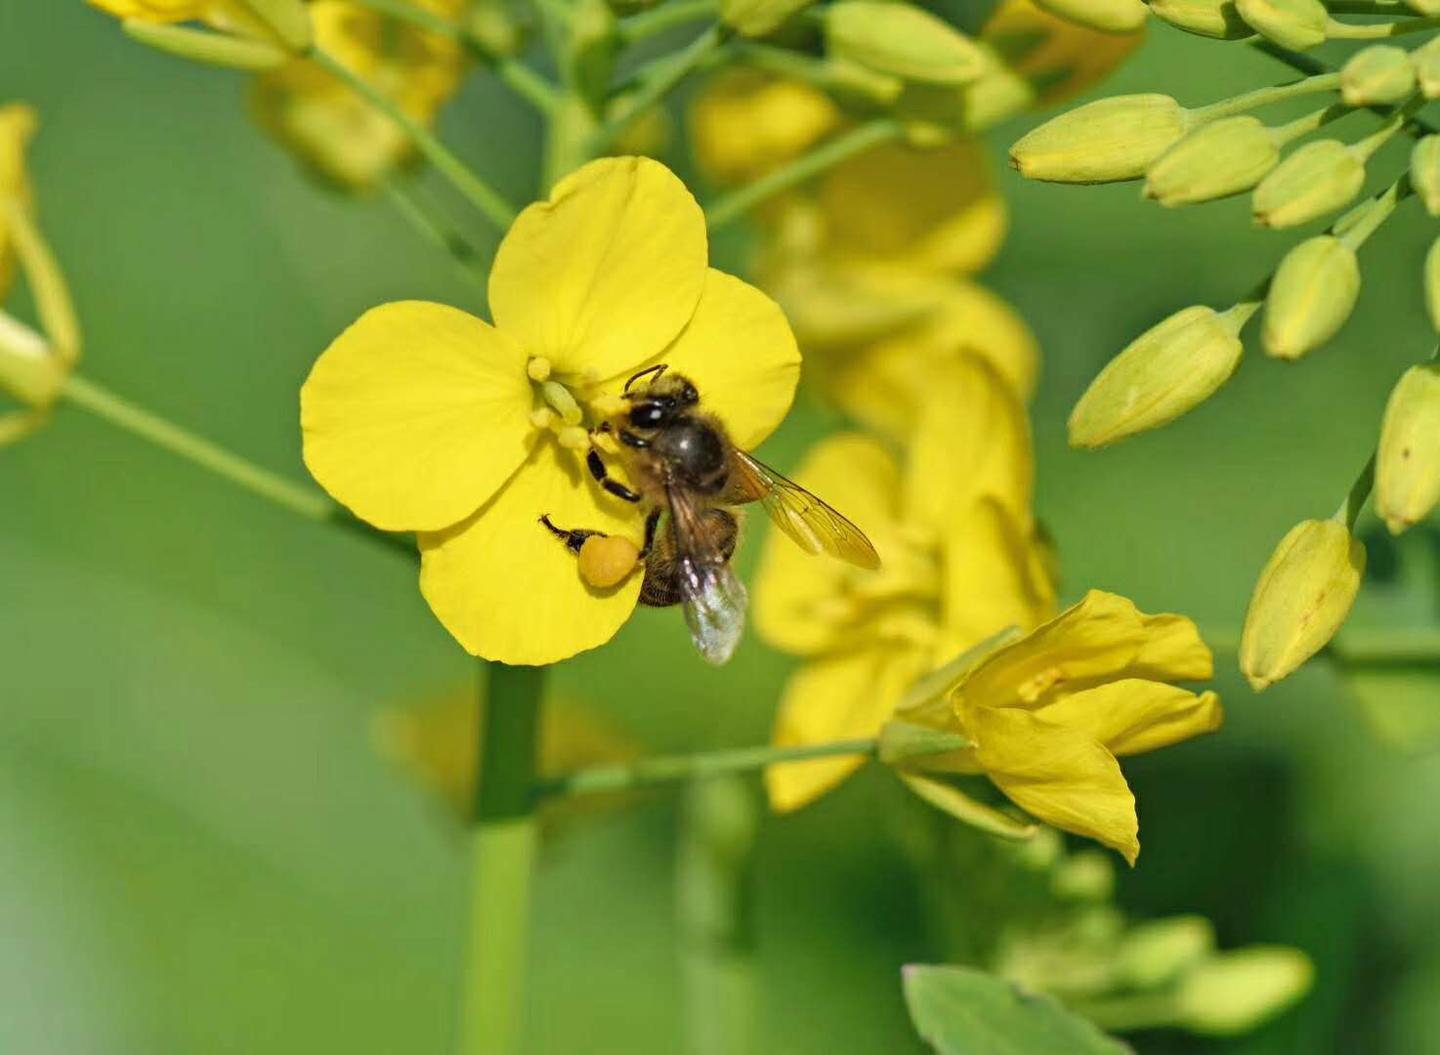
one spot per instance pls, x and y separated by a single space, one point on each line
1312 294
1318 178
1155 953
591 45
1426 60
1236 991
1294 24
1432 283
1108 16
212 49
1214 161
756 18
1303 596
1425 172
1172 367
29 369
1407 464
287 19
1377 75
1207 18
1424 7
1084 876
1107 140
902 40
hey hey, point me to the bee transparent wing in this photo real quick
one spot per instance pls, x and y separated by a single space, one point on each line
810 522
712 597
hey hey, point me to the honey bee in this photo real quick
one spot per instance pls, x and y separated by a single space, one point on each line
690 478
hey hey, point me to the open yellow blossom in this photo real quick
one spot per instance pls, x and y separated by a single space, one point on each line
747 123
1049 714
337 134
960 561
423 418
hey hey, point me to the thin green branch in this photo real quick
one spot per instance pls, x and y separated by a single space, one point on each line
1308 64
827 155
647 24
653 83
434 229
479 193
1358 495
1378 30
1279 93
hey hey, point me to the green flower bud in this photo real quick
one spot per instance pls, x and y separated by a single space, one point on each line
902 40
1153 954
1426 60
1084 876
1294 24
30 371
846 78
1425 172
212 49
1302 598
756 18
1214 161
1207 18
1234 992
496 27
287 19
1312 294
1377 75
1407 465
1101 142
591 46
1172 367
1424 7
1318 178
1108 16
1432 283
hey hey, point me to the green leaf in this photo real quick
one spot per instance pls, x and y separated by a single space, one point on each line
962 1011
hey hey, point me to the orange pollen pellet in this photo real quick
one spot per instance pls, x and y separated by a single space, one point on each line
605 561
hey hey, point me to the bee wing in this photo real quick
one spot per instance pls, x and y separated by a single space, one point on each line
712 597
812 523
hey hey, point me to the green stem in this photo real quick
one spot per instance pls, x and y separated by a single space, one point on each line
1359 493
297 498
715 917
675 769
422 218
1356 227
1310 65
1377 31
502 854
1279 93
1304 125
1365 148
654 83
667 16
479 193
827 155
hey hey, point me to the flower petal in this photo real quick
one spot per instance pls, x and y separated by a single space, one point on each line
801 601
606 272
841 697
1173 651
1059 775
739 351
507 589
1131 716
994 576
416 415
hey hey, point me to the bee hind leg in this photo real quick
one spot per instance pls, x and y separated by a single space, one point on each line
573 539
596 465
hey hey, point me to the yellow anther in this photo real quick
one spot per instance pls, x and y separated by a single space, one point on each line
559 397
538 368
543 418
574 437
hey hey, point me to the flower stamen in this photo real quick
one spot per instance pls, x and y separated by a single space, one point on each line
538 368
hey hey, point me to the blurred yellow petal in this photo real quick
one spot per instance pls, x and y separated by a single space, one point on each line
842 697
746 123
972 318
801 605
507 589
994 576
15 425
415 415
971 438
1132 715
1172 651
607 272
154 10
1060 58
833 309
1057 774
739 351
934 210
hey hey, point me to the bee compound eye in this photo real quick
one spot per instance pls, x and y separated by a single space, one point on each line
646 415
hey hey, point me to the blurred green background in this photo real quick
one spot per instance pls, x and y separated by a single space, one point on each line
199 849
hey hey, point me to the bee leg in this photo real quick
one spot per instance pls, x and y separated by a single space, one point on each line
651 523
602 476
573 539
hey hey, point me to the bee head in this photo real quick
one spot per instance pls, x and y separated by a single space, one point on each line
664 398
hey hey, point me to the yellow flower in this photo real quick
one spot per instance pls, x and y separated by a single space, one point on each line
959 561
163 10
747 123
1061 59
17 126
423 418
340 136
1049 714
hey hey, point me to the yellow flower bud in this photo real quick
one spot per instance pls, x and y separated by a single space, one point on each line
1425 172
287 19
1295 24
1169 369
1107 140
1304 594
1432 283
1426 60
1236 991
212 49
756 18
607 560
1318 178
494 27
30 371
1424 7
1109 16
1207 18
1312 294
1407 465
1214 161
902 40
1377 75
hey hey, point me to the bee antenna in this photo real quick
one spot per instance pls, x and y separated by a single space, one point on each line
657 370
